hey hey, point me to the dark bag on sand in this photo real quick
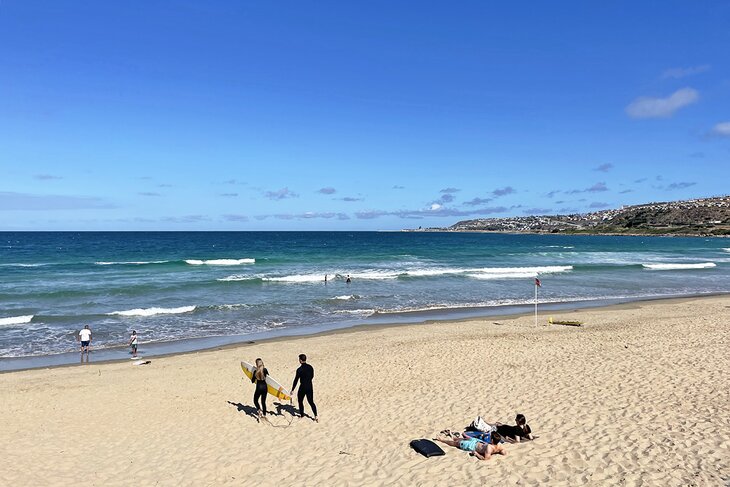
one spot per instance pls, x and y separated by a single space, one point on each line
427 448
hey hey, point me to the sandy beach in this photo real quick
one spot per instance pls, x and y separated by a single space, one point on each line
638 396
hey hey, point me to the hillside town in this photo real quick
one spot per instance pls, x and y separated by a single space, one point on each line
702 216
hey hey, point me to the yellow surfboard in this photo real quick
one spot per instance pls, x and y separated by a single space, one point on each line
272 385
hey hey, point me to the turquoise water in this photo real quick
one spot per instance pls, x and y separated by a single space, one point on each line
177 286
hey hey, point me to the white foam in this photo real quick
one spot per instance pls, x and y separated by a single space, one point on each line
235 277
510 275
15 320
726 249
231 306
435 272
301 278
524 270
220 261
670 267
376 275
23 265
153 311
345 298
133 262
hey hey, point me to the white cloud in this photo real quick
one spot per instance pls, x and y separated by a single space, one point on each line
678 73
722 129
648 107
435 207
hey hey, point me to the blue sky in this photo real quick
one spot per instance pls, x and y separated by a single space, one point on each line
354 116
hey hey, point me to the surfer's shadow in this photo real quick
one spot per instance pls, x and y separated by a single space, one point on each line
249 410
289 408
254 413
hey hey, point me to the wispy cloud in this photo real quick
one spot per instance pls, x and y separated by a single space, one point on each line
350 199
680 185
596 188
327 190
640 180
697 155
186 219
450 190
435 210
678 73
626 191
399 187
650 107
604 167
233 181
721 129
164 185
478 201
148 193
228 195
281 194
504 191
553 193
44 202
598 205
235 218
307 215
537 211
46 177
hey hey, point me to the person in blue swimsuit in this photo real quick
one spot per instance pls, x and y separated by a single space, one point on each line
481 450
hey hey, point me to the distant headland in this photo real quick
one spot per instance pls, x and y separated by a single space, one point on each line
695 217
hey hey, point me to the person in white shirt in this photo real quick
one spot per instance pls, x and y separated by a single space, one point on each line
85 339
133 343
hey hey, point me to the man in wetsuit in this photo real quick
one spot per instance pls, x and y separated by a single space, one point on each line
305 374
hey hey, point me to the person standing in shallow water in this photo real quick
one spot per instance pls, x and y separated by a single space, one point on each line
259 378
85 339
305 374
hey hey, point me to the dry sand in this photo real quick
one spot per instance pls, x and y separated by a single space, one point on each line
639 396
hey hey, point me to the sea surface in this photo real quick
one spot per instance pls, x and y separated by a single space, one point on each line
173 286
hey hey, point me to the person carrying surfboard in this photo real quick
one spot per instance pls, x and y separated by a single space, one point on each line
259 378
305 374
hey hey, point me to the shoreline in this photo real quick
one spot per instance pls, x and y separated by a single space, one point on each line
186 346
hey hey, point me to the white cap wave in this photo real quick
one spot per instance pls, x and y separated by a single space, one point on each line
16 320
220 261
153 311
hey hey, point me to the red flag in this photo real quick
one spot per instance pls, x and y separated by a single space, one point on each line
537 282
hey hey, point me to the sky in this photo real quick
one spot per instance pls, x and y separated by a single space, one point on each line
378 115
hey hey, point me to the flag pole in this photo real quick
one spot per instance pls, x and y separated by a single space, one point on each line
536 286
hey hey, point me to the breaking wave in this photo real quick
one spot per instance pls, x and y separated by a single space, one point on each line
153 311
671 267
220 261
16 320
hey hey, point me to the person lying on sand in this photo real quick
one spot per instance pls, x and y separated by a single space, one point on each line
514 434
481 450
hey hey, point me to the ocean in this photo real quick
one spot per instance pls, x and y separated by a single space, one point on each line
187 290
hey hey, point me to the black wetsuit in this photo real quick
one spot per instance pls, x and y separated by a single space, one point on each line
513 431
260 391
305 374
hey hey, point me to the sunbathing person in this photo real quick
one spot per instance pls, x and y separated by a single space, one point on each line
514 434
481 450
